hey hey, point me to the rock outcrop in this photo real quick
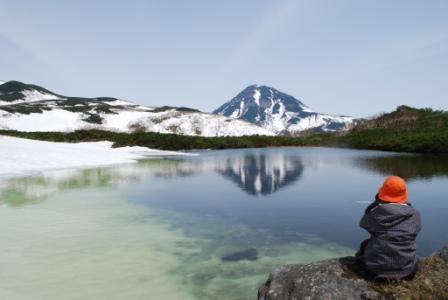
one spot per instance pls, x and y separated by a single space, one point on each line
344 278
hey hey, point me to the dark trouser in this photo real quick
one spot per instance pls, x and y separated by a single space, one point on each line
373 276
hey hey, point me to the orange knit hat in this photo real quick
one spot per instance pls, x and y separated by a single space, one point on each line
393 190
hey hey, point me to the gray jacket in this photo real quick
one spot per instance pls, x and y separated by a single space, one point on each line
391 249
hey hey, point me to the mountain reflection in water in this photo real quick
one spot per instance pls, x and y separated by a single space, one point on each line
262 173
256 173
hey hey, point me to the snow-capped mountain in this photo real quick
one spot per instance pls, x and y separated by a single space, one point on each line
280 112
26 107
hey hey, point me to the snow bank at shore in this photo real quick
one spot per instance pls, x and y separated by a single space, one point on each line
20 156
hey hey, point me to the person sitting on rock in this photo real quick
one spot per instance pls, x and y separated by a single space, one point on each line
393 224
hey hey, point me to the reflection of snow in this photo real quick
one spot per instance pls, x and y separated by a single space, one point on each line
257 184
18 156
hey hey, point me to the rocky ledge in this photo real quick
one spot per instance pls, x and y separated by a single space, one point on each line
344 278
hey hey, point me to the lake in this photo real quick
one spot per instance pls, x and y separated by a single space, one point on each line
199 227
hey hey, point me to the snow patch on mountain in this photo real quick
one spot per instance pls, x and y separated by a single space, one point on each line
121 102
195 123
321 121
257 96
31 96
171 121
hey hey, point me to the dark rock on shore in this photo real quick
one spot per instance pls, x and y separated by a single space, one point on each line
444 253
344 278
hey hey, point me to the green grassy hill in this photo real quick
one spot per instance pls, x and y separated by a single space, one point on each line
406 118
406 129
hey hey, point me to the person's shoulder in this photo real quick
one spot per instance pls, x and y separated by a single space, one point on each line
414 210
411 207
372 206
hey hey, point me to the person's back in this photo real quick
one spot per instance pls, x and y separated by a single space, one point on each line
393 225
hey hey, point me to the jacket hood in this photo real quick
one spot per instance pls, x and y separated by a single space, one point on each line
391 214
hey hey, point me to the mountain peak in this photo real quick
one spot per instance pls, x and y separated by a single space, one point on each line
256 103
18 86
278 111
260 87
13 92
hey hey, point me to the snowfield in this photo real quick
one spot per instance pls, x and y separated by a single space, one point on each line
135 118
21 156
194 123
61 120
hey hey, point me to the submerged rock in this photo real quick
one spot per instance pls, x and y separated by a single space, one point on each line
248 254
344 278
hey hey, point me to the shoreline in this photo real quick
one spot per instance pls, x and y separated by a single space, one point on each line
388 140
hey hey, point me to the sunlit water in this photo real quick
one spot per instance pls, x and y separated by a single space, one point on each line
204 227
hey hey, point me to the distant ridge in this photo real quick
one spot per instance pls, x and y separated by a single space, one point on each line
28 107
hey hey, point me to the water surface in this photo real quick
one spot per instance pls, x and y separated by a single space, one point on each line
203 227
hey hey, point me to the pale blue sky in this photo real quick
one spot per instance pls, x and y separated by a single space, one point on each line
355 57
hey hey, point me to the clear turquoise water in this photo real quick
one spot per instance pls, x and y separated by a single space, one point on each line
159 229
